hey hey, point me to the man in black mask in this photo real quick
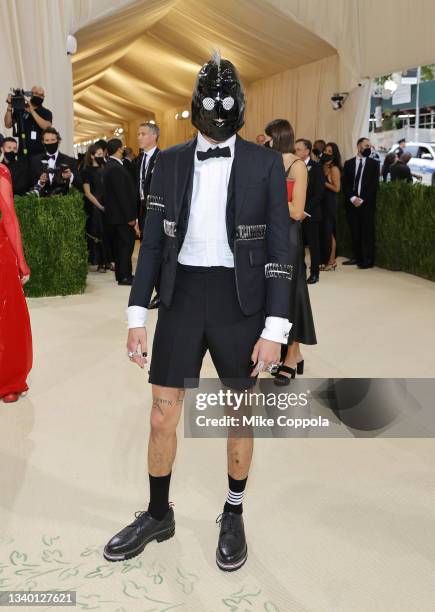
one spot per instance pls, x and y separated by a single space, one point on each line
19 168
217 224
31 122
360 187
53 172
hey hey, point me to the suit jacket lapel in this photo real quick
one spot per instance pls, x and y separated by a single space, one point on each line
183 176
239 178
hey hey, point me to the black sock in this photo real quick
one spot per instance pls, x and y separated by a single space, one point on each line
159 496
235 495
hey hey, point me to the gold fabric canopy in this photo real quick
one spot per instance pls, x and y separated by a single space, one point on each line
142 61
137 59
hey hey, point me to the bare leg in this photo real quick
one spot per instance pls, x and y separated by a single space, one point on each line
239 454
164 418
333 252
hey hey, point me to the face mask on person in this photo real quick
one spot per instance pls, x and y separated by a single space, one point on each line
366 152
326 158
10 156
51 148
218 100
100 160
36 100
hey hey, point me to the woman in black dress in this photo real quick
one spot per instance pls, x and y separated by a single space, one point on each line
332 168
281 138
93 189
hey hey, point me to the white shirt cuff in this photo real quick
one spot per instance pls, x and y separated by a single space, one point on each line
353 198
136 315
276 329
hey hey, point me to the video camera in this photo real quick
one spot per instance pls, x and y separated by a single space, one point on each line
56 170
18 99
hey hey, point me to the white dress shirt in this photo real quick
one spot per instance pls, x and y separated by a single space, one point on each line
147 155
357 162
206 240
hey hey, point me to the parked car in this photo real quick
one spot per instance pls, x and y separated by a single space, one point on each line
422 161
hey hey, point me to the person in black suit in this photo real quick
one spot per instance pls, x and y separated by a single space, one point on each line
217 226
120 211
400 171
53 172
129 163
313 211
19 168
147 136
360 187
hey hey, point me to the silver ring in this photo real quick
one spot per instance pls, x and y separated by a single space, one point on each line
132 354
272 367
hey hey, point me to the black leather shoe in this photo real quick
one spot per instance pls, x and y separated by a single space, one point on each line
131 540
365 265
313 278
350 262
231 551
155 303
126 281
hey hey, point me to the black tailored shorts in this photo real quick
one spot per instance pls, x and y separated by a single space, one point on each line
204 315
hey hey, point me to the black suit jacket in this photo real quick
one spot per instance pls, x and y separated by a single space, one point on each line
369 181
315 192
119 197
257 222
130 166
148 175
37 168
19 170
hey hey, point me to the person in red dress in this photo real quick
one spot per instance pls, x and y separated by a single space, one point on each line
15 334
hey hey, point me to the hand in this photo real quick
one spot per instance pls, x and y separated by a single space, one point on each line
137 341
43 178
357 202
265 352
132 223
24 272
9 102
136 228
67 174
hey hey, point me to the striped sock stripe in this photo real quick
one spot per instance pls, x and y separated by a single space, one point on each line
234 498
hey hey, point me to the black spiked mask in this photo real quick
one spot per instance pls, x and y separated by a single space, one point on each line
218 100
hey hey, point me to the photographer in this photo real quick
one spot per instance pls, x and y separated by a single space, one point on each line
53 172
28 118
19 168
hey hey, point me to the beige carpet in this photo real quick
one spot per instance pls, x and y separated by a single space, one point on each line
332 525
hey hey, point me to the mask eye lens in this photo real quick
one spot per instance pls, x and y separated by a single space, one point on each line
208 104
228 103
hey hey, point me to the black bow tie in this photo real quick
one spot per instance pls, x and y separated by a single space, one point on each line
217 152
51 156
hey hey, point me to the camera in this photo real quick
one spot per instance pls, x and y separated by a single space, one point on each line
58 184
18 101
338 99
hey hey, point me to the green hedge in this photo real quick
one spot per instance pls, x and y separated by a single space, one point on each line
53 231
405 229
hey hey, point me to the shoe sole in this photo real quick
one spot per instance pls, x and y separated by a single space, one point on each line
231 567
161 536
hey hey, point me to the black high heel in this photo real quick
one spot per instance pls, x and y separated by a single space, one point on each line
281 380
300 367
